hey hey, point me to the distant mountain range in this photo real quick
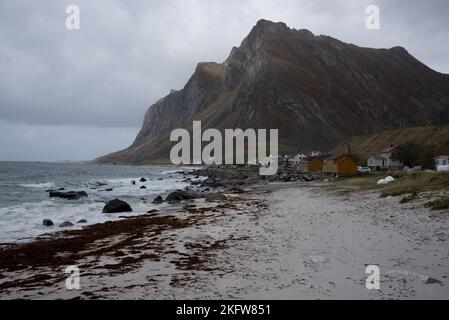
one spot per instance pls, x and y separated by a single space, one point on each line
317 90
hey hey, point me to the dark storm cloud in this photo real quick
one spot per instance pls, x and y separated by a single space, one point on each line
128 54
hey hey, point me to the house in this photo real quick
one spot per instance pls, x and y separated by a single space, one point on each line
442 163
299 157
315 165
387 159
377 163
442 160
339 165
285 161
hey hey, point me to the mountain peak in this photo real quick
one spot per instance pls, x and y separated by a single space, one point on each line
316 90
262 23
266 26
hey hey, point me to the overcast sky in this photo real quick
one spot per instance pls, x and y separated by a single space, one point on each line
78 94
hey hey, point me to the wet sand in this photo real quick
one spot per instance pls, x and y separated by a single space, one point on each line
277 241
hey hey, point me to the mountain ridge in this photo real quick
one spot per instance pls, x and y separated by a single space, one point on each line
316 90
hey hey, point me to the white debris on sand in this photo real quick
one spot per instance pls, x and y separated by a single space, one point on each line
319 259
386 180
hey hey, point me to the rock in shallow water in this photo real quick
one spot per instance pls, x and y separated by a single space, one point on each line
47 222
180 195
116 206
71 195
82 221
157 200
66 224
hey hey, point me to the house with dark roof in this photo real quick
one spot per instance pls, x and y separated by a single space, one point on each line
387 159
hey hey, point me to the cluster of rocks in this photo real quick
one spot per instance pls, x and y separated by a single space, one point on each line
291 175
183 195
143 180
230 177
65 224
225 176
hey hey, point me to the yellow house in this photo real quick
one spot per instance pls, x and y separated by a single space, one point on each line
315 165
340 165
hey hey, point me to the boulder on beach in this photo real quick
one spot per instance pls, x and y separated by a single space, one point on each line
143 180
157 200
47 222
66 224
116 206
180 195
174 196
216 197
70 195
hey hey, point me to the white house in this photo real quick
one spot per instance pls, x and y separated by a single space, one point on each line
377 163
442 163
442 160
386 160
300 157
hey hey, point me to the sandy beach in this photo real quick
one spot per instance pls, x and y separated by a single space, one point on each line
275 241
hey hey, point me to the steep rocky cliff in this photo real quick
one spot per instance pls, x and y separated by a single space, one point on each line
316 90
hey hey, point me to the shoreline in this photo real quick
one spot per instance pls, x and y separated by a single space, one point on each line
288 240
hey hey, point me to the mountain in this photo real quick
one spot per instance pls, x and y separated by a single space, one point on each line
316 90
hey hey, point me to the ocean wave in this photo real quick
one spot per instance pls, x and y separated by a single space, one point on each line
46 185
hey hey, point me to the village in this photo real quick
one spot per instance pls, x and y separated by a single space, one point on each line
391 158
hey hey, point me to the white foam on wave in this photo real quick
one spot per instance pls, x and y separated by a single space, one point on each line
124 187
45 185
23 222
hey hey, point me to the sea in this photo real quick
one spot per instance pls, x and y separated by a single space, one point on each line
25 201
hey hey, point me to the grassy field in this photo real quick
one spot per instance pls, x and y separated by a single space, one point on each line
365 182
417 182
408 185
